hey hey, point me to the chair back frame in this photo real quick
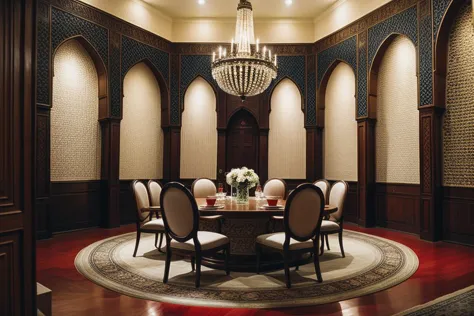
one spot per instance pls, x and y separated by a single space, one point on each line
148 185
328 188
140 219
282 181
193 234
288 232
198 179
340 210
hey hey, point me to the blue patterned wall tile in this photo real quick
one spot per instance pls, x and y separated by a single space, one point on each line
439 9
175 109
42 76
65 25
362 82
345 51
193 66
426 61
134 51
311 102
115 78
294 68
405 23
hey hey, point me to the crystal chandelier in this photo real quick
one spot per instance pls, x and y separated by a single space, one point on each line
245 71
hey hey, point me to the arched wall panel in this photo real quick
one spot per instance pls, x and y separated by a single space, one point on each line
458 127
340 127
141 135
396 130
287 136
199 132
75 111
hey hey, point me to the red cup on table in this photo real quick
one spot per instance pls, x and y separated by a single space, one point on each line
272 200
211 200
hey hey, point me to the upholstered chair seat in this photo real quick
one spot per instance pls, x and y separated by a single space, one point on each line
329 226
181 218
145 222
208 241
302 224
277 240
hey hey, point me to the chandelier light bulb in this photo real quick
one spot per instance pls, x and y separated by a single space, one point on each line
258 45
288 2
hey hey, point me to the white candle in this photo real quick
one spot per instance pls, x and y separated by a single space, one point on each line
232 47
225 52
220 52
264 51
270 55
275 59
258 45
213 56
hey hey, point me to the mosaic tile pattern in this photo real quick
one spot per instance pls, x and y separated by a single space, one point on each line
426 62
174 102
115 79
345 51
134 51
405 23
42 78
458 129
439 9
311 102
362 109
65 25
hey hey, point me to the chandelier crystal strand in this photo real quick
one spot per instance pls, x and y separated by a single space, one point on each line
244 71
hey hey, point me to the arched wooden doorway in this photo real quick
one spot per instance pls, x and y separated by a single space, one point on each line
242 141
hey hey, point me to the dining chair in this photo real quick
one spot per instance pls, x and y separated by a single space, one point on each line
324 186
181 218
334 225
145 222
302 223
202 188
275 187
154 190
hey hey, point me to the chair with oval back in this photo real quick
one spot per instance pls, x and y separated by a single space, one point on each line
202 188
324 186
334 225
275 187
181 218
154 190
302 222
145 222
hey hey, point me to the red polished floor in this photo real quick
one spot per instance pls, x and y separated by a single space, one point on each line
444 268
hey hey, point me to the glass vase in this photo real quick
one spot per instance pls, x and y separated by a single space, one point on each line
242 195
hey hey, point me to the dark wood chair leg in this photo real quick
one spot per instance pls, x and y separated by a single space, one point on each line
227 256
327 241
287 270
340 244
167 264
258 251
156 240
322 245
193 264
136 243
317 268
161 242
198 270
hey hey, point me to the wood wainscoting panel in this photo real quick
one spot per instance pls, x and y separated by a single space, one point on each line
458 215
127 205
398 206
9 254
75 205
351 213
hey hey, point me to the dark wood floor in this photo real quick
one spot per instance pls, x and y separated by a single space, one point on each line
444 268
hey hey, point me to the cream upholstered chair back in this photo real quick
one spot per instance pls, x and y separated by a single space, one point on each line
202 188
180 212
154 188
337 197
303 212
324 186
275 187
141 198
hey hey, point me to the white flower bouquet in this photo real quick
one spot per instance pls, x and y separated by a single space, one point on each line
242 178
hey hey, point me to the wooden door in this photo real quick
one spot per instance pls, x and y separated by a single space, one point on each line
17 240
242 141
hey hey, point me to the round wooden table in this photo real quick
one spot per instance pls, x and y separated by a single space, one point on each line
243 224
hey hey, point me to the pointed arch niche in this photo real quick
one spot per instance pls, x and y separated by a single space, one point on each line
79 90
141 134
198 157
394 102
287 135
340 127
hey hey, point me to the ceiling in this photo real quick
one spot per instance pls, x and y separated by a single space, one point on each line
184 9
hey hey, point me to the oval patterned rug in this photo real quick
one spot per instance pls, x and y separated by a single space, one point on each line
371 264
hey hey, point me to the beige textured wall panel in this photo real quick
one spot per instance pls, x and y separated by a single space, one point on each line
458 126
396 130
199 132
340 129
141 136
75 130
139 13
287 136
